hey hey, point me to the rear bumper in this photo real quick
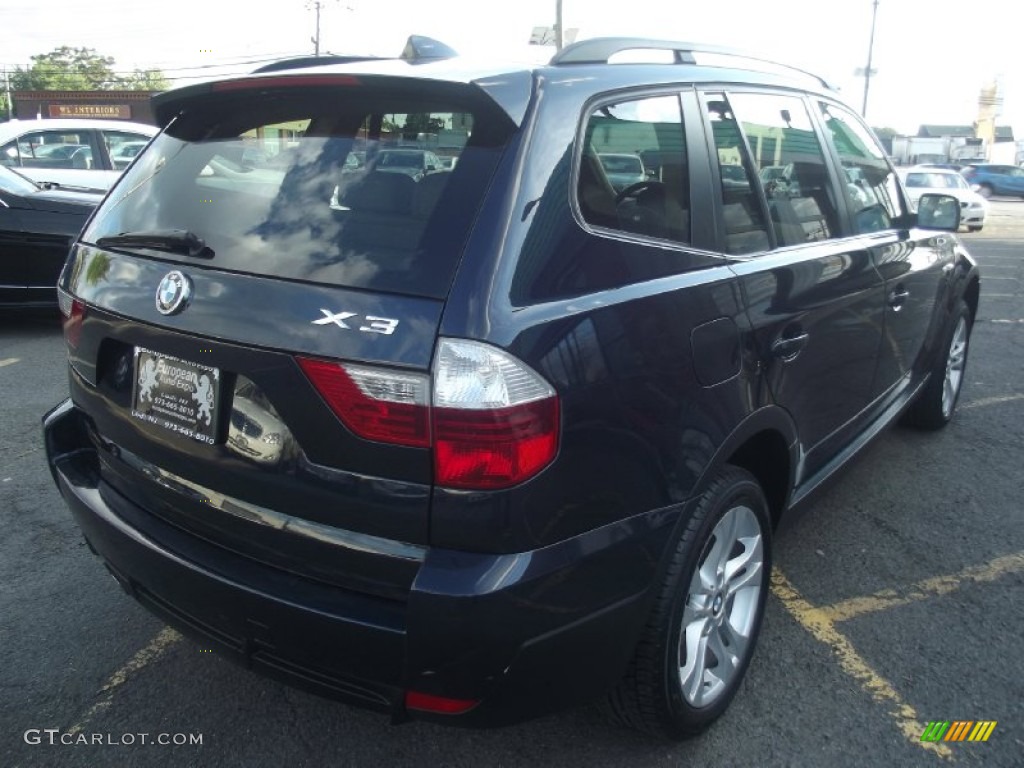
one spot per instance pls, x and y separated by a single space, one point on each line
523 634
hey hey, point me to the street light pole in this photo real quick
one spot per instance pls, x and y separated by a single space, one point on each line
871 50
558 25
316 40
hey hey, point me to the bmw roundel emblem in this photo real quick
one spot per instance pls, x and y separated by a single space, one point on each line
173 293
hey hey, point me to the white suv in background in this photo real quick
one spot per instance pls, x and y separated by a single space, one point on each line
69 153
921 179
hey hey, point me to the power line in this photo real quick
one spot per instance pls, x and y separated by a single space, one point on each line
255 58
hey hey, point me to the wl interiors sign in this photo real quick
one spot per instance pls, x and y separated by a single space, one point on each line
111 111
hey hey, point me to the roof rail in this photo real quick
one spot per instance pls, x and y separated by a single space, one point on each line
599 50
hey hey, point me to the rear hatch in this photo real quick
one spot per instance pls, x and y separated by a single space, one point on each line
252 252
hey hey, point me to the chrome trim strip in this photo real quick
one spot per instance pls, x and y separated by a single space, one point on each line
253 513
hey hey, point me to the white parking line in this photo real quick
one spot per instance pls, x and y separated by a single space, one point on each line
9 361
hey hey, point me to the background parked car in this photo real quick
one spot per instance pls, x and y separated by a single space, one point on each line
623 170
74 154
416 163
37 227
991 179
919 180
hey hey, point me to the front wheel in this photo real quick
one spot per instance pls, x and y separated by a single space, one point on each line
703 627
934 407
974 229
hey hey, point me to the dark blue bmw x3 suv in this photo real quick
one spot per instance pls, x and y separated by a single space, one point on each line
505 437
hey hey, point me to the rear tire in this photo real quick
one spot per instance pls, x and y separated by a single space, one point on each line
985 191
974 229
703 627
934 407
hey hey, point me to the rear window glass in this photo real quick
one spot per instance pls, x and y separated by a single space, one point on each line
362 187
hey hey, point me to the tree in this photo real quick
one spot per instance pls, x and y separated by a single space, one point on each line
81 69
421 122
145 80
67 69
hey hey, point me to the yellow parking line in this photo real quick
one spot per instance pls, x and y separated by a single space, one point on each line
939 585
154 650
815 621
9 361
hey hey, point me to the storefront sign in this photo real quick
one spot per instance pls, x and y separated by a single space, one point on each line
111 111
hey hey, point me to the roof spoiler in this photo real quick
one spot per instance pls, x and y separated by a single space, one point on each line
302 62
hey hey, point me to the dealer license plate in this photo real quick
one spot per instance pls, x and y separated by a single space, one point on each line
176 394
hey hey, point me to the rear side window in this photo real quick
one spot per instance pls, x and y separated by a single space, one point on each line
633 169
871 189
743 217
791 166
358 186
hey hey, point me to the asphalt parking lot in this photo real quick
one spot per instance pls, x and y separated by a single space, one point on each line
897 600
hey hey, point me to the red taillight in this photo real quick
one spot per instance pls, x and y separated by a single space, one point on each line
74 316
492 421
379 405
488 449
495 421
442 705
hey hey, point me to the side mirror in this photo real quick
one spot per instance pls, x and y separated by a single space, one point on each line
938 212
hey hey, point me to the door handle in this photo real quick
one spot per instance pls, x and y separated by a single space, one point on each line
898 298
788 347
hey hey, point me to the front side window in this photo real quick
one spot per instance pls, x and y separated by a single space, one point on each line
49 149
632 174
790 164
871 189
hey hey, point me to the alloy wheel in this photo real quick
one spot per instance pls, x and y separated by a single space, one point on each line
721 608
954 367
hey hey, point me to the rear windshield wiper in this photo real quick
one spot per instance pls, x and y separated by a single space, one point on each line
179 241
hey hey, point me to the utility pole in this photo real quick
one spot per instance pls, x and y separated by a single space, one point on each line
8 102
316 40
558 25
871 49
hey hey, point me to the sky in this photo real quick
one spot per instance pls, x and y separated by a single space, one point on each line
932 57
